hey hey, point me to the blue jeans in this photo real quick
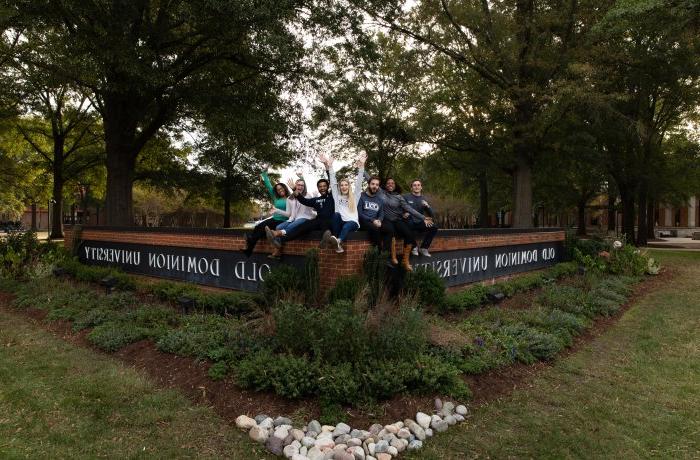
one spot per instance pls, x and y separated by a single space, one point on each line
341 228
288 226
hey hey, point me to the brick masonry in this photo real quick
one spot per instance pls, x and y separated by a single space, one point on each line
331 265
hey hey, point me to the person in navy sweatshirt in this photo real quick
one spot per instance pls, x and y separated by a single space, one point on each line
418 202
371 214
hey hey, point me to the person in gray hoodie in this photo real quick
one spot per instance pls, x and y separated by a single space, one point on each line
419 203
371 213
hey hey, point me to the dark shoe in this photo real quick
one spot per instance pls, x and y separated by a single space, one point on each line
325 239
268 233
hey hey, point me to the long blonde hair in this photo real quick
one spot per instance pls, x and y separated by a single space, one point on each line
351 195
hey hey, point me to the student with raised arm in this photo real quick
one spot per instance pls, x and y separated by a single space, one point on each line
345 219
298 215
417 201
278 194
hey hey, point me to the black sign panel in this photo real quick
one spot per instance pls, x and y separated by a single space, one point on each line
471 265
211 267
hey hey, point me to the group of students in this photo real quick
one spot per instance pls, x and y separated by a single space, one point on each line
339 208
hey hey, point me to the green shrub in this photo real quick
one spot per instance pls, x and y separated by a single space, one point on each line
402 335
374 271
20 253
627 260
565 298
290 376
467 299
339 384
341 334
533 344
218 370
426 285
383 378
113 336
95 316
434 375
295 327
281 283
346 288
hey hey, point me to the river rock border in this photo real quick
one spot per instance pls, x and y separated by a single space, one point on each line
341 442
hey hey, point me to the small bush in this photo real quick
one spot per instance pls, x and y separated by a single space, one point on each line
281 283
426 285
341 334
290 376
311 278
533 344
402 335
346 288
627 260
113 336
295 327
467 299
374 270
565 298
339 384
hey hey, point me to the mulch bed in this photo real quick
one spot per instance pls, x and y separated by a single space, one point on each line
190 377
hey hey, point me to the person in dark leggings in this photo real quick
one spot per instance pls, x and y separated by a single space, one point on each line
371 213
394 207
278 195
418 202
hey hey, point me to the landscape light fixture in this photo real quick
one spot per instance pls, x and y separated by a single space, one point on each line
59 272
186 304
495 297
109 283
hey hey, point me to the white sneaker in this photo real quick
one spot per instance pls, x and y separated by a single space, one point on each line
332 242
414 251
339 249
424 252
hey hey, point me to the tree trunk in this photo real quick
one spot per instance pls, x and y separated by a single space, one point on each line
56 230
627 215
522 194
483 201
120 134
642 216
612 221
227 208
34 216
581 218
651 219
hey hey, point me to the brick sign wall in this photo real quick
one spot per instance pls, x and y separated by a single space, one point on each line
212 257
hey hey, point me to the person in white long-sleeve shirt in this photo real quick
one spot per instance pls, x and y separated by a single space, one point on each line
346 197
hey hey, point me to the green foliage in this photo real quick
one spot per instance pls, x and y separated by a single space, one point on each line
628 261
467 299
295 326
311 277
346 288
20 254
219 370
404 334
115 335
374 270
281 283
426 285
287 375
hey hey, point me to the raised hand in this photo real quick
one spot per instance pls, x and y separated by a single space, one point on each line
291 184
265 166
324 159
299 173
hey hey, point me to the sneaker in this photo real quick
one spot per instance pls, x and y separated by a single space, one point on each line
332 242
424 252
269 234
414 251
325 239
339 249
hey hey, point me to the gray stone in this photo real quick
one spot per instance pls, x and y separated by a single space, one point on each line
314 426
371 448
357 452
312 434
398 445
381 446
297 434
290 439
393 451
324 441
428 432
258 434
267 423
352 442
451 420
275 445
423 420
342 439
393 429
384 456
369 457
416 429
290 450
259 418
281 433
245 422
299 457
462 410
438 404
308 441
404 433
413 445
458 417
435 418
439 426
343 456
281 421
376 428
448 407
315 454
342 428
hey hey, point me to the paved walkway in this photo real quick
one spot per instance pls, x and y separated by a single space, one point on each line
675 243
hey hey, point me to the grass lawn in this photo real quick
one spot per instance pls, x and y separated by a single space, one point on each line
61 401
634 392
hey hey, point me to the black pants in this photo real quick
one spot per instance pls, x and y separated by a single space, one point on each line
259 232
401 229
378 236
319 223
420 227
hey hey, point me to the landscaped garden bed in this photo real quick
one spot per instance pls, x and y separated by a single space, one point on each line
361 357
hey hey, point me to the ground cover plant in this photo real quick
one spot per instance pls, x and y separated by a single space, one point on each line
367 342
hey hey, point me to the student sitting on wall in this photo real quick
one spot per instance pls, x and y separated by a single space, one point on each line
417 201
278 195
297 212
345 219
371 214
324 206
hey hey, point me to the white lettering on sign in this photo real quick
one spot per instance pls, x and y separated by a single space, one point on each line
457 266
114 256
250 271
510 259
189 264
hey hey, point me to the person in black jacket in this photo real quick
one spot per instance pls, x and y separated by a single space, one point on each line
417 201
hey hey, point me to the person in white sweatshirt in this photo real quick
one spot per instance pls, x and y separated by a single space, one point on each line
346 198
